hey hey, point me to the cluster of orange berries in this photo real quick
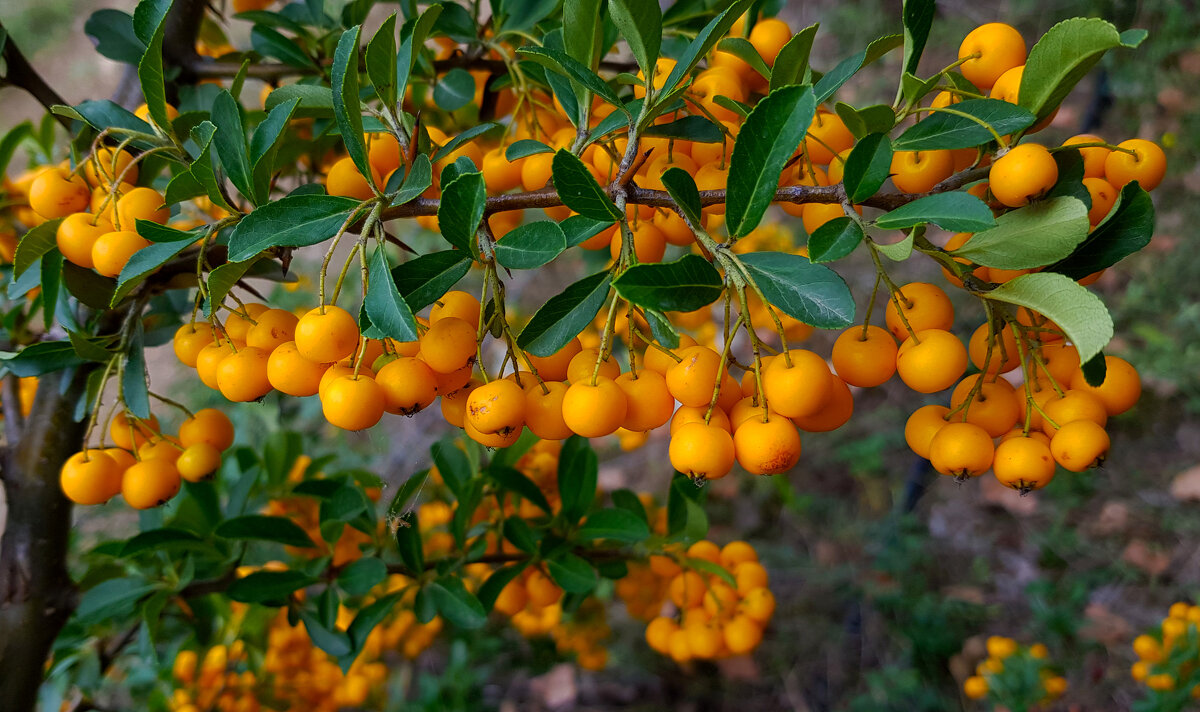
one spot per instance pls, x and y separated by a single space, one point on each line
1000 671
710 618
1169 658
145 466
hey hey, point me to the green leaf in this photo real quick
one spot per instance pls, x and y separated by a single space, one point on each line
270 43
1095 370
579 229
407 530
877 118
512 479
148 18
423 280
88 287
708 567
135 388
143 263
154 232
696 129
461 210
369 617
265 145
682 189
572 574
814 294
771 134
1036 235
456 604
454 90
111 599
685 515
867 167
384 305
164 539
1127 229
112 32
834 240
848 67
957 211
791 64
463 137
35 243
941 130
381 61
453 465
315 101
531 245
260 527
346 106
412 39
567 66
616 524
900 250
52 264
741 48
102 114
565 315
201 169
406 492
268 586
360 576
640 25
1060 299
918 19
333 642
221 280
416 180
685 285
230 140
628 500
582 31
1063 56
578 469
518 532
662 329
525 147
704 41
292 221
39 358
579 190
490 590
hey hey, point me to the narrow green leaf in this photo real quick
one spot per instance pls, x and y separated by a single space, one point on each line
39 358
490 590
771 134
271 43
456 604
512 479
1127 229
685 516
1036 235
405 493
264 145
148 18
111 599
369 617
704 41
135 388
578 469
696 129
407 530
834 240
867 167
1060 299
292 221
463 137
848 67
416 181
268 586
814 294
579 229
579 190
360 576
918 20
942 130
112 32
260 527
461 210
640 24
684 285
565 315
453 465
230 140
682 188
35 243
525 147
956 211
900 250
334 642
454 90
221 280
384 305
662 329
564 64
423 280
143 263
616 524
791 65
531 245
346 106
412 39
572 574
741 48
381 61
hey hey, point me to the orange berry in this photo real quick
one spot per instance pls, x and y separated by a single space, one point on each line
924 306
274 328
1104 197
1080 445
127 432
835 413
650 403
289 372
1121 389
242 376
209 426
1093 156
594 411
209 360
106 165
77 235
1024 463
353 402
1004 354
455 303
240 321
544 411
1071 406
142 204
554 366
198 461
742 634
961 450
700 450
449 345
994 406
1147 165
933 364
692 379
1026 172
583 365
56 193
767 448
1000 48
497 407
689 414
344 179
865 361
90 477
920 171
112 251
150 483
189 340
408 384
327 334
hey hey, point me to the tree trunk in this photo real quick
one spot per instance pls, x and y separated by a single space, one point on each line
36 593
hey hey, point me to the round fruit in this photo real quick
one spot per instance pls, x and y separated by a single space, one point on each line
209 426
112 250
700 450
353 402
1024 464
497 407
594 411
1120 390
77 235
1000 48
327 334
1026 172
931 361
198 461
189 340
242 376
544 411
57 193
1080 445
449 345
1147 164
408 385
650 404
865 358
923 305
150 483
961 450
289 372
767 447
90 477
798 389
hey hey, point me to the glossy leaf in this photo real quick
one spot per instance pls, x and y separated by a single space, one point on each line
565 315
423 280
814 294
268 586
1127 229
578 189
867 167
456 604
684 285
383 303
616 524
956 211
461 210
454 90
260 527
572 574
418 178
941 130
292 221
531 245
230 140
148 19
566 65
381 61
834 240
346 107
1060 299
839 75
1063 56
578 469
640 24
1036 235
696 129
705 40
791 64
682 188
918 20
38 241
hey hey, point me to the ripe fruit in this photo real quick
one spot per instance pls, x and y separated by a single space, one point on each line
544 411
961 450
1103 195
1072 406
455 303
209 360
77 235
920 171
353 402
150 483
742 635
1120 390
583 365
1079 445
1026 172
922 425
594 411
700 450
239 322
57 193
497 407
691 381
141 204
924 306
209 426
1024 464
865 359
993 408
289 372
448 345
128 432
931 361
650 404
800 389
105 165
198 461
242 376
768 36
1004 354
1000 48
344 179
112 250
767 448
274 327
189 340
90 477
1147 165
835 413
408 385
327 334
554 366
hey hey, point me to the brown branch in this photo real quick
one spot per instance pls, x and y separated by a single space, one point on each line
20 73
272 72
